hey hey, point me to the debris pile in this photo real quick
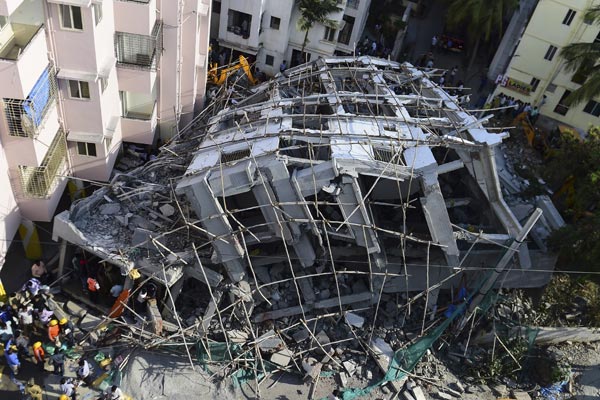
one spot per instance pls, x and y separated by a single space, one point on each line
323 221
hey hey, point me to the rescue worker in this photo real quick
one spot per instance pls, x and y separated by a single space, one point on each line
84 373
54 332
113 393
69 388
33 391
93 287
12 359
39 355
67 329
58 361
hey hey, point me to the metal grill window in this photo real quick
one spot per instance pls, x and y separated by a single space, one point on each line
386 155
235 155
40 182
25 118
139 51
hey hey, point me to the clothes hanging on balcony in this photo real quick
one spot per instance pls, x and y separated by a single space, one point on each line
38 98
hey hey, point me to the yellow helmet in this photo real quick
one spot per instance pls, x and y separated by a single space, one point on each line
14 348
53 322
37 345
63 397
63 321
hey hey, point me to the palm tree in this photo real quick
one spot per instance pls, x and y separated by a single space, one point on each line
582 59
315 11
483 19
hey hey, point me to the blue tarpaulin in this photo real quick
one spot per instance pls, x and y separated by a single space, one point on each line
38 98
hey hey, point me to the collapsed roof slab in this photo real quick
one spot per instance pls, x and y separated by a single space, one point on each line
322 175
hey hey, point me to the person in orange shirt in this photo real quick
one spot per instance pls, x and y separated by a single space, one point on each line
53 331
39 355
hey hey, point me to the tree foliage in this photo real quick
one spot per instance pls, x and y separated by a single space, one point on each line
582 58
578 163
313 12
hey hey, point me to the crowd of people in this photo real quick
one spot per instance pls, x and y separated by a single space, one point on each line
31 332
513 107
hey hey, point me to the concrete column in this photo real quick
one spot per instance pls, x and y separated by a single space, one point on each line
62 255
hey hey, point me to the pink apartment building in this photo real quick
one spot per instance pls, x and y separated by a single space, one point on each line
78 78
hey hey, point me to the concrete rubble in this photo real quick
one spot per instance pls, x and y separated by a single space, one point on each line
314 220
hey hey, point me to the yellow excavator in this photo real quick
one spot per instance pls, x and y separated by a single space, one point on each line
218 75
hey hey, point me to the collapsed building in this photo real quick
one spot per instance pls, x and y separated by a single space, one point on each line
334 187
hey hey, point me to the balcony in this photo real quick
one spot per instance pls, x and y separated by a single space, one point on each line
23 58
139 51
40 182
145 16
25 118
139 118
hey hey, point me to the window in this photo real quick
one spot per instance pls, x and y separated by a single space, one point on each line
592 107
353 4
86 149
3 21
534 84
269 60
216 7
275 22
597 40
79 90
329 34
103 84
562 108
239 23
97 12
551 88
550 53
569 17
70 17
346 32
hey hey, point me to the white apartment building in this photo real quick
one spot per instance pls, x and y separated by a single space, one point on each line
267 30
536 69
80 77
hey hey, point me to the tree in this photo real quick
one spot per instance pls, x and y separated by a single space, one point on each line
582 59
578 243
313 12
484 19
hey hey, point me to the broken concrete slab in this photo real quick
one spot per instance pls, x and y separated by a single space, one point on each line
350 366
418 393
282 357
521 395
354 320
167 210
301 335
237 336
269 342
110 208
444 396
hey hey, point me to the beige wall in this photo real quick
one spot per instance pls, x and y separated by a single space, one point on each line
544 29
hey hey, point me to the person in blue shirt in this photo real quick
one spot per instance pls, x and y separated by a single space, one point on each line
12 359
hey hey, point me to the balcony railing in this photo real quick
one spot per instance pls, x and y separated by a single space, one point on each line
40 182
139 51
25 118
21 35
